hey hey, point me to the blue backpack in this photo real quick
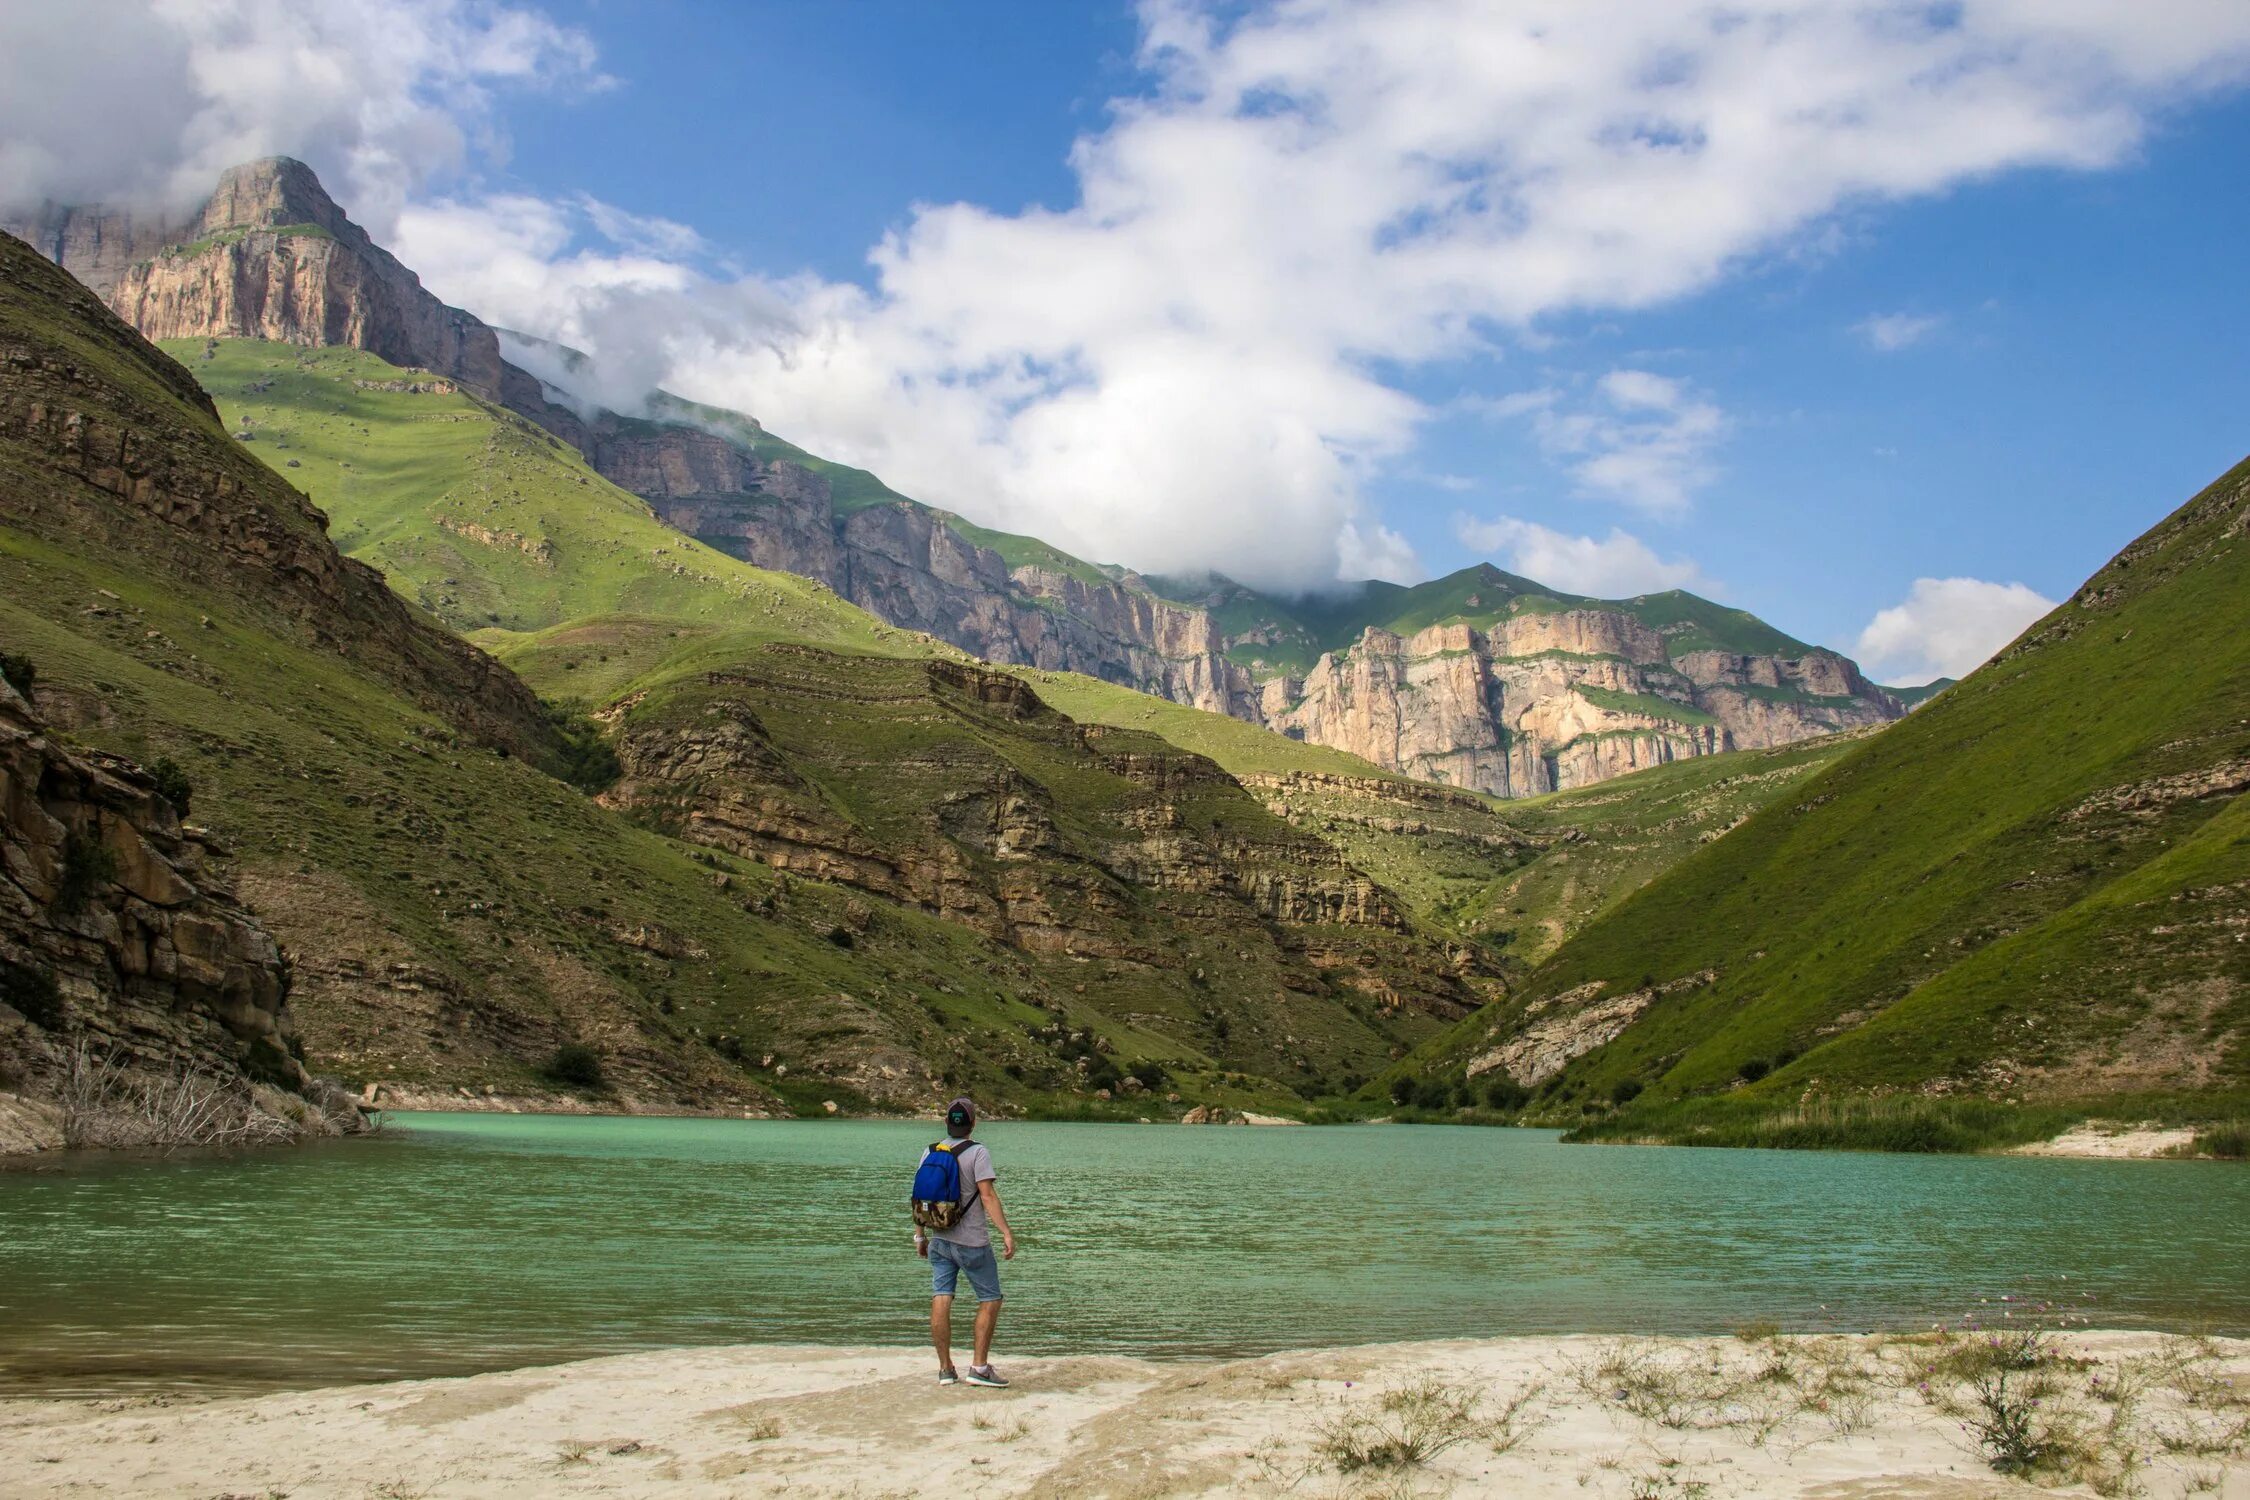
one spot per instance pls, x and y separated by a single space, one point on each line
936 1199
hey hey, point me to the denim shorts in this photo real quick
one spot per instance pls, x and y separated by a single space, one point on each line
949 1261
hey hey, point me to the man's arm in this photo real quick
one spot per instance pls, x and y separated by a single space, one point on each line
989 1191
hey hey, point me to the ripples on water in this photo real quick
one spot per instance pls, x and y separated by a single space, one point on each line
465 1242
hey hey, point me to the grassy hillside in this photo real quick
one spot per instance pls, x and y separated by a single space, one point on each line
2031 890
1608 840
479 516
1244 749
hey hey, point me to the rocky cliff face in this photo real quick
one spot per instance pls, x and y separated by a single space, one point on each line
156 475
1546 702
907 564
1499 705
116 930
985 843
268 256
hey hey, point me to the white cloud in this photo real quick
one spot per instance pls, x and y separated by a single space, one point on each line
1613 567
1946 627
1890 332
1641 438
1197 363
144 102
1365 549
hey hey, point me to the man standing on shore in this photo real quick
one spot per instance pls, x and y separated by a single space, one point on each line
965 1248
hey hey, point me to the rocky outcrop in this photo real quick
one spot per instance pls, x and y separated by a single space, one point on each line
116 930
129 452
988 846
269 255
1557 1031
1547 701
907 564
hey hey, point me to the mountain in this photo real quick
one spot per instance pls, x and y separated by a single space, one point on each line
2031 891
269 255
1480 680
810 860
505 534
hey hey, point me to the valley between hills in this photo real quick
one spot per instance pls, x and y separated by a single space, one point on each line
387 724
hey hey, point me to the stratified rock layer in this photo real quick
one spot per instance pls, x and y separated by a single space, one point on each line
116 931
268 256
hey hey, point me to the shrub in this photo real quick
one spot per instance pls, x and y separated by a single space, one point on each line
34 995
842 937
1412 1425
1434 1093
2230 1141
2000 1390
1505 1095
577 1066
172 783
1402 1091
1754 1069
1151 1074
106 1104
19 671
1625 1090
88 864
586 760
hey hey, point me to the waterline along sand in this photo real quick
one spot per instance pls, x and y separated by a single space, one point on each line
1755 1415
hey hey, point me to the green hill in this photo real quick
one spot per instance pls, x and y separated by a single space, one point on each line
2030 892
482 518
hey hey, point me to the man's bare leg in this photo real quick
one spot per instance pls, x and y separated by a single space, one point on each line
941 1330
988 1318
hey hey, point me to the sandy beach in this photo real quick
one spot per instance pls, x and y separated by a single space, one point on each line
1832 1417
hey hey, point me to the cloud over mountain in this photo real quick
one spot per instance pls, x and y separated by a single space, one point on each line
1305 207
1947 627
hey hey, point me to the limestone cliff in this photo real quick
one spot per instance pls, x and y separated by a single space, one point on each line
268 256
1548 701
116 930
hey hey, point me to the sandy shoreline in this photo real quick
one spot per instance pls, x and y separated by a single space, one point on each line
1832 1417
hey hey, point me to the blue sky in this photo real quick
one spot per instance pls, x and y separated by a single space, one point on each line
1888 322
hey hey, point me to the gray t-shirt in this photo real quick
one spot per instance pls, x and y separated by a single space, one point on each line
975 1227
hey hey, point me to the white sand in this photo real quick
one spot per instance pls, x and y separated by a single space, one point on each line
2113 1138
1698 1418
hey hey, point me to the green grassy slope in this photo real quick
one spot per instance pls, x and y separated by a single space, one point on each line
1244 749
2030 889
1129 866
478 515
1608 840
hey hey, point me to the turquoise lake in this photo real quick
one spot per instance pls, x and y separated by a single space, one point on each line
470 1242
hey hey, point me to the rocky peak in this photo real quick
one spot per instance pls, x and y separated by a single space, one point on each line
268 255
271 192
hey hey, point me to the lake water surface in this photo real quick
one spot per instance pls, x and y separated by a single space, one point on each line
471 1242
